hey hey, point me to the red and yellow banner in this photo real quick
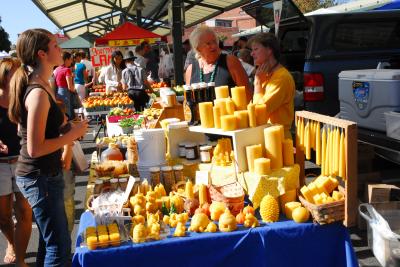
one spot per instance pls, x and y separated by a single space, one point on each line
132 42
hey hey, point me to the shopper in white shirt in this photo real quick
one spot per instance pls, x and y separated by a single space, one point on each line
113 73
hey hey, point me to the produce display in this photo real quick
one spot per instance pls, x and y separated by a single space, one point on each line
152 113
99 88
104 103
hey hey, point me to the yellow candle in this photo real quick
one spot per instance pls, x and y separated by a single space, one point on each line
221 92
288 153
251 108
257 97
312 136
206 114
273 145
202 194
261 114
317 144
302 133
328 134
323 152
253 152
336 143
342 161
242 117
262 166
239 97
228 123
189 192
217 117
221 104
298 133
230 106
307 141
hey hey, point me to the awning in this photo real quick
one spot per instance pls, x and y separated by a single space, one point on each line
78 42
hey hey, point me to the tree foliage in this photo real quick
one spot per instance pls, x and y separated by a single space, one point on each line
5 43
310 5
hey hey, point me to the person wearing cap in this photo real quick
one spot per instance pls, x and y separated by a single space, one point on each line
134 80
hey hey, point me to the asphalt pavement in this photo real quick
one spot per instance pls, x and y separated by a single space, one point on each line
358 237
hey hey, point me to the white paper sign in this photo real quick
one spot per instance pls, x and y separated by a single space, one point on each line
277 15
203 177
101 56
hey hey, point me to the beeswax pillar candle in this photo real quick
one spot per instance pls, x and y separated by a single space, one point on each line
221 104
253 152
342 160
261 114
242 119
206 114
221 92
307 141
273 145
336 143
202 194
312 136
262 166
302 133
327 153
228 123
288 153
323 152
230 106
317 144
217 117
251 109
239 97
189 192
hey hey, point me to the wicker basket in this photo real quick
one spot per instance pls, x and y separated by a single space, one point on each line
326 213
231 194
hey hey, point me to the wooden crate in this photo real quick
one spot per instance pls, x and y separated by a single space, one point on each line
168 112
350 183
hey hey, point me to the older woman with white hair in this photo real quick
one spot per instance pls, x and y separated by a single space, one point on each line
213 66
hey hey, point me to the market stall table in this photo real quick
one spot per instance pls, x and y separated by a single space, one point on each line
284 243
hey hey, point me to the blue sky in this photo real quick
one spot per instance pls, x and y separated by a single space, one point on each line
19 15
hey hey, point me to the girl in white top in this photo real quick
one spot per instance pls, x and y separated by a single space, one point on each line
113 73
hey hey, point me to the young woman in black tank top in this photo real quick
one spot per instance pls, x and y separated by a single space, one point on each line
39 167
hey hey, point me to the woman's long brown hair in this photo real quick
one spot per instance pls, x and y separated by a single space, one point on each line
28 45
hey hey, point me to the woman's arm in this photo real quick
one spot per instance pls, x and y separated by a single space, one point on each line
70 82
188 74
67 157
239 75
38 105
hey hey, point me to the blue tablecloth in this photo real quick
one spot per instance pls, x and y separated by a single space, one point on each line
280 244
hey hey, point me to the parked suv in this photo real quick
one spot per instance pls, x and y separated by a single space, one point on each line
317 48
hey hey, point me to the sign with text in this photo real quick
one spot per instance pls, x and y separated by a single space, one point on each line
132 42
101 56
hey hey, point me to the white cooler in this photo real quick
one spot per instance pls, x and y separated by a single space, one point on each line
365 95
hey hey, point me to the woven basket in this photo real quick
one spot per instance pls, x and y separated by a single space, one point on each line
230 194
326 213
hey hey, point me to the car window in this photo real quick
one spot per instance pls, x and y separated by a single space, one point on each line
294 41
367 35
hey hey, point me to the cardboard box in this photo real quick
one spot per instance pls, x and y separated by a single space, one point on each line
379 192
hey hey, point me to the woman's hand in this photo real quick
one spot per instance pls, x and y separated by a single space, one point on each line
3 148
79 129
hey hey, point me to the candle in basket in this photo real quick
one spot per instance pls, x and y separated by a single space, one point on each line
239 97
261 114
206 114
253 152
273 145
242 119
288 153
251 108
217 117
230 106
228 123
222 92
262 166
222 106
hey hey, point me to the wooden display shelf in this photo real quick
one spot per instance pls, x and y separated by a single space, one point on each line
240 138
350 128
168 112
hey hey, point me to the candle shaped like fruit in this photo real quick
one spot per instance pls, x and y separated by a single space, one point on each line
253 152
242 118
206 114
342 160
217 117
251 108
228 123
239 97
262 166
317 140
222 92
323 152
261 114
230 106
273 145
288 152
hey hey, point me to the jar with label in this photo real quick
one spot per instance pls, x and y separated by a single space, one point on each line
182 150
98 186
123 183
197 93
168 178
211 91
113 184
205 154
178 173
155 176
191 151
203 91
188 93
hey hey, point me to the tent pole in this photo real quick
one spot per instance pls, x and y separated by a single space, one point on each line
177 40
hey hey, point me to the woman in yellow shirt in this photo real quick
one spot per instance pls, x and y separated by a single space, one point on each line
273 84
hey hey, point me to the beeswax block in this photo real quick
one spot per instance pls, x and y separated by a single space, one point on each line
251 108
242 117
261 114
288 152
289 196
318 199
206 114
230 106
273 145
239 97
217 117
253 152
307 194
313 189
262 166
228 123
222 92
336 195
